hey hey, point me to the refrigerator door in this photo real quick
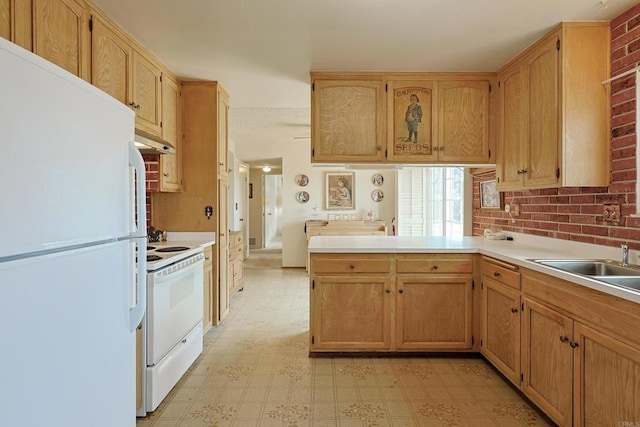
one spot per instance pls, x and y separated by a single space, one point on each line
68 355
64 160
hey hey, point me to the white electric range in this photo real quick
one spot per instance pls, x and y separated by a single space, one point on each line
172 327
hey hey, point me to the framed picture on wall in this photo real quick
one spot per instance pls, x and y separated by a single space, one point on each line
339 193
490 197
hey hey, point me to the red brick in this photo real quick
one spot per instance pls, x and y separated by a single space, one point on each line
622 187
629 60
548 191
623 119
531 224
559 199
540 217
568 208
623 130
623 96
618 52
633 23
625 233
539 200
618 30
582 199
623 153
569 228
583 219
563 236
625 16
626 175
559 218
549 226
591 209
625 107
628 39
581 238
548 208
569 190
595 231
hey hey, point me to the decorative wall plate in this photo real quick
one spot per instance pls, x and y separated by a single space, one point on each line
377 180
377 195
302 180
302 197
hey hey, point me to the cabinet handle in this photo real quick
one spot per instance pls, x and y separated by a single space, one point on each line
388 291
207 258
564 339
352 266
401 291
514 310
166 174
520 172
442 148
496 274
435 267
436 148
573 344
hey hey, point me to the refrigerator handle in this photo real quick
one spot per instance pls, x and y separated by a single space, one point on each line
137 312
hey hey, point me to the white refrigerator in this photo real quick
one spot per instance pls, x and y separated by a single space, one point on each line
71 222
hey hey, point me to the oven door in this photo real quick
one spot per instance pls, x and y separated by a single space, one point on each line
175 301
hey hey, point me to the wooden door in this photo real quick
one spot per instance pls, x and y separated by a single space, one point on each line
222 242
433 313
511 127
351 312
16 22
61 35
411 130
542 113
547 360
463 121
111 61
500 328
147 94
223 136
170 165
607 379
348 121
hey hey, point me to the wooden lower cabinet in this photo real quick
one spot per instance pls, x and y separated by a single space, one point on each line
351 313
209 312
547 360
500 328
434 313
606 379
236 263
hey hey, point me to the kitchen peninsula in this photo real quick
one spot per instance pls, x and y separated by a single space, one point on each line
569 342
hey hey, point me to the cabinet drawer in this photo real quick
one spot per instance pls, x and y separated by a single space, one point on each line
235 252
504 273
434 264
236 239
340 264
208 256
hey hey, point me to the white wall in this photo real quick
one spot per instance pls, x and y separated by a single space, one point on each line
296 159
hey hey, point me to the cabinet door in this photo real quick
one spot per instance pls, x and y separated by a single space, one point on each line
146 94
410 119
111 57
434 313
61 35
500 328
607 380
510 129
222 237
171 165
548 360
543 115
207 313
223 136
463 117
348 121
351 313
15 22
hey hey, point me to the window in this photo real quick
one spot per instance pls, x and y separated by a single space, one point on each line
431 201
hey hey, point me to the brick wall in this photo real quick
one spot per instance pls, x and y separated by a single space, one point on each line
575 213
151 165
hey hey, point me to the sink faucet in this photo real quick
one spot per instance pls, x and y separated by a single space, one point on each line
625 255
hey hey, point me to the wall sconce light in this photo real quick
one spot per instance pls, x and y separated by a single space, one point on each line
266 168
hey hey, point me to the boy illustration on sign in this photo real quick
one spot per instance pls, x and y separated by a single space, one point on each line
413 116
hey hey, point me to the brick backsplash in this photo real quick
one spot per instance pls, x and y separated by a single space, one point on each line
151 165
575 213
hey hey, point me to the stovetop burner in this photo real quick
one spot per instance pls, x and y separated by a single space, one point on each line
153 258
150 248
172 249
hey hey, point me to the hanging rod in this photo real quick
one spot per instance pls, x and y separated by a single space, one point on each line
626 73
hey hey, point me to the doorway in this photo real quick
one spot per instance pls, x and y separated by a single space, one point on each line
265 204
272 212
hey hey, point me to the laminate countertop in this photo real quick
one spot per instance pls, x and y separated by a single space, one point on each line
521 251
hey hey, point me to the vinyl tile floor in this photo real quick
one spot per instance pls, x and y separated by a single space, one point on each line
255 371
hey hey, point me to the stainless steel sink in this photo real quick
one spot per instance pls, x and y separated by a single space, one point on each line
592 267
603 270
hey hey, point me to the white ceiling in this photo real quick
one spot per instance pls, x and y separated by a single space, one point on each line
262 50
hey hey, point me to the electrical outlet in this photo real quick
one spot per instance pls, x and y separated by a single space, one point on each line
611 212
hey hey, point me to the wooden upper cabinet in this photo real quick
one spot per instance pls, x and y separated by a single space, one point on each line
111 60
223 132
147 94
463 121
16 22
347 120
411 133
171 165
61 35
558 135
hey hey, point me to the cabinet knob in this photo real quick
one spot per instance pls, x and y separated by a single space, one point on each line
207 258
165 174
564 339
442 148
352 266
435 267
436 148
401 291
496 274
514 310
132 104
388 291
573 344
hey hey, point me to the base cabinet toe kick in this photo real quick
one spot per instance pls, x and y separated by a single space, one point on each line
573 351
